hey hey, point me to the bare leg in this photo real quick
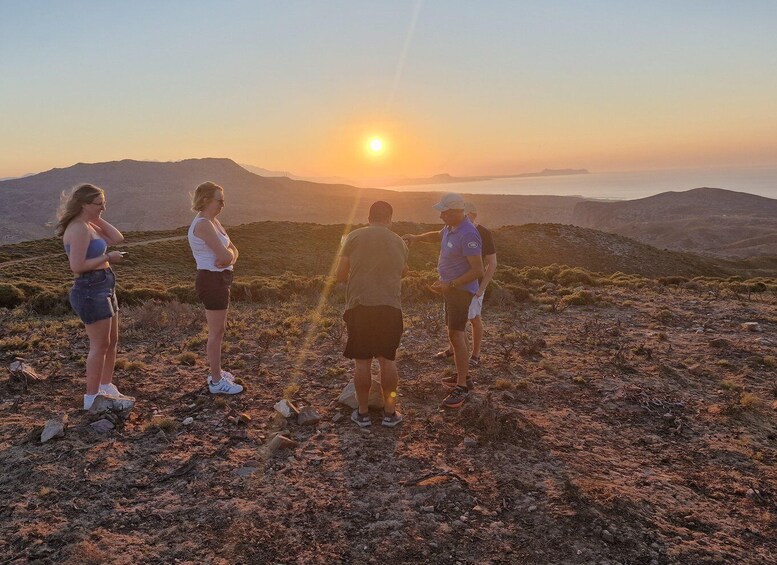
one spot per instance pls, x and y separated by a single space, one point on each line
362 379
110 355
99 341
217 325
460 355
389 378
477 335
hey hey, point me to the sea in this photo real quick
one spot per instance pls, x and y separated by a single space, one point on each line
618 185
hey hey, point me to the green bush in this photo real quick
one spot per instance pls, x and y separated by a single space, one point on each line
50 303
184 293
569 277
667 281
135 296
580 298
10 296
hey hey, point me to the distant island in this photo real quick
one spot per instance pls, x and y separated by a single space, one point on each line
446 178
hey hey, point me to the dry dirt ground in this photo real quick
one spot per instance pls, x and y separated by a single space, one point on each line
640 430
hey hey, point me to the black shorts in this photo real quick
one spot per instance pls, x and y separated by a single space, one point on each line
213 288
457 303
373 331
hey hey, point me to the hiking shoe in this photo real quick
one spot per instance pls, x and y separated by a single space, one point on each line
111 390
444 354
474 361
224 386
453 380
362 420
391 420
456 398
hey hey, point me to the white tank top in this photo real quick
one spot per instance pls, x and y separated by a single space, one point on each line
203 254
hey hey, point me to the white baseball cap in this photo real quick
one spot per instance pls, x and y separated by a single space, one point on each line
450 201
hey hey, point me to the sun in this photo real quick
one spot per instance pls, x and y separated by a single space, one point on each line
376 145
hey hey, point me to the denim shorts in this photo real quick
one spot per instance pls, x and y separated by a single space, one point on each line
93 296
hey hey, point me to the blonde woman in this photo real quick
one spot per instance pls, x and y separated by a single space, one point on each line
86 236
215 255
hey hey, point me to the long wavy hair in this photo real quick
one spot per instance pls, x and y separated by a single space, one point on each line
73 202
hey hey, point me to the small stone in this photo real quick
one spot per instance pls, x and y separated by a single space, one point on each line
308 416
280 442
427 509
751 327
244 418
102 426
470 442
696 369
751 494
246 471
22 371
375 399
54 428
188 421
285 408
532 508
252 463
607 536
337 417
720 343
668 416
508 396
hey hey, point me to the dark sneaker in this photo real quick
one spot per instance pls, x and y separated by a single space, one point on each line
474 361
444 354
456 398
391 420
361 420
451 381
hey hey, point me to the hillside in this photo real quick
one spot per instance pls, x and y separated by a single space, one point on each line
613 420
703 220
152 196
270 249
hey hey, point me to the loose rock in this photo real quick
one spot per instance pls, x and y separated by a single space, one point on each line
120 405
348 396
54 428
188 421
751 327
308 416
470 442
22 371
285 408
102 426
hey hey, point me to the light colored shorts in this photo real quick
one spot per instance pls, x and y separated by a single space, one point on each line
475 307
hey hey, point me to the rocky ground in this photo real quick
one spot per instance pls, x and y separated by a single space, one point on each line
638 430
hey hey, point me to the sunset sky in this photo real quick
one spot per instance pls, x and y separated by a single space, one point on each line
451 86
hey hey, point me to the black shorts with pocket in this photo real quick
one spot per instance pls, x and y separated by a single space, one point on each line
457 303
213 288
373 331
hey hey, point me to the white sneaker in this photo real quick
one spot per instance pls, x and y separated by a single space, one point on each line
111 390
89 400
224 386
224 375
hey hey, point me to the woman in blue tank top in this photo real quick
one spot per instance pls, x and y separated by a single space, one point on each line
86 236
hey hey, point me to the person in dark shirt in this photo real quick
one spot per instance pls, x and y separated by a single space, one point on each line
489 264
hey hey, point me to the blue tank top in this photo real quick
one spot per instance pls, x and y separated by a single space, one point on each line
97 247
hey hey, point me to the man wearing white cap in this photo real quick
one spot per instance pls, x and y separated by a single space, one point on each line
459 266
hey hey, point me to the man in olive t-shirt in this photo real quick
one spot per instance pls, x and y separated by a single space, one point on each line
372 262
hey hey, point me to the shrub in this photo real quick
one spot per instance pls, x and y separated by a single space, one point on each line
10 296
668 281
569 277
50 302
187 358
184 293
580 298
139 295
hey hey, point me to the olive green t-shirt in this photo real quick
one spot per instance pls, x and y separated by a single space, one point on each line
377 258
